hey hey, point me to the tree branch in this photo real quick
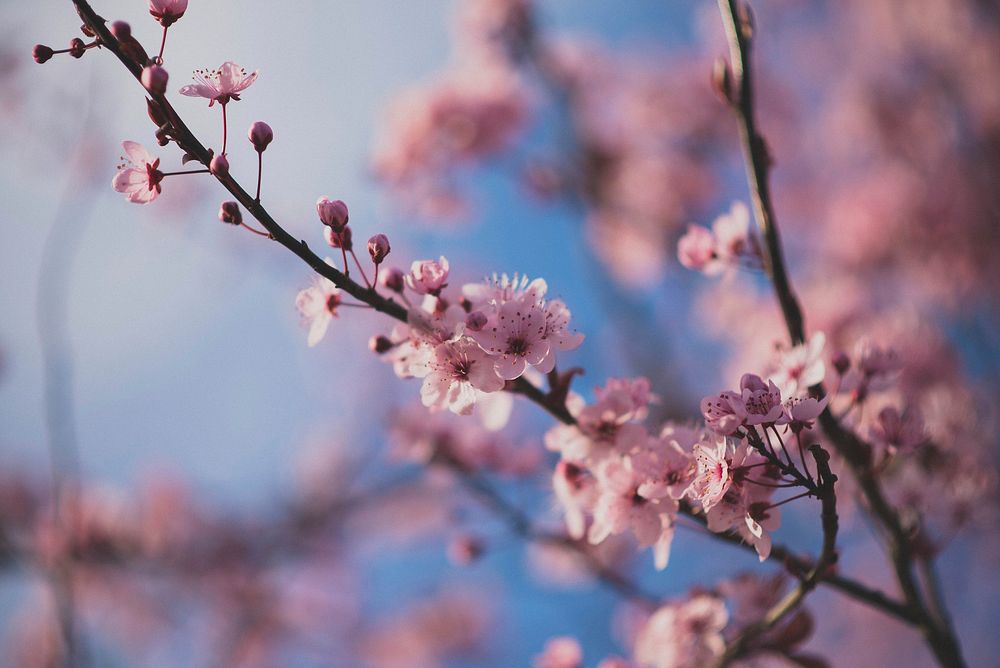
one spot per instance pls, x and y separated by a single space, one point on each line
739 31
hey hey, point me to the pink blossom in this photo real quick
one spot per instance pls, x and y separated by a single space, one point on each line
561 652
686 634
712 476
457 370
499 289
732 234
897 431
428 277
666 469
557 334
745 509
724 413
515 337
762 401
801 411
318 305
621 508
332 213
576 492
697 250
138 177
801 367
167 11
221 85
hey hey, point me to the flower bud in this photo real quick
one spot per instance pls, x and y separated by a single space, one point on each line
158 117
260 135
154 78
230 213
392 279
77 48
121 30
333 214
163 135
475 321
219 165
341 239
378 248
379 344
41 53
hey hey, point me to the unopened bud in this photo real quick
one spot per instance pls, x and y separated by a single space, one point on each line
121 30
41 53
342 239
158 117
219 165
379 344
475 321
167 11
392 279
378 248
154 78
260 135
77 48
230 213
332 213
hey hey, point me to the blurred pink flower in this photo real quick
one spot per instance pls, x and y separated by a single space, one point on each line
561 652
318 305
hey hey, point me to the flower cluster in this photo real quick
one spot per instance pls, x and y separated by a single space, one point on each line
467 348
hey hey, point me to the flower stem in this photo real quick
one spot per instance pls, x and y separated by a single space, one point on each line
256 231
225 128
163 43
361 269
190 171
260 168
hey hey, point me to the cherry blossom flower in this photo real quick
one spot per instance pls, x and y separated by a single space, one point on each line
712 476
620 508
318 305
686 634
732 234
801 367
167 11
724 413
800 412
221 85
502 288
746 509
561 652
515 337
697 250
428 277
665 467
457 370
895 431
138 176
762 401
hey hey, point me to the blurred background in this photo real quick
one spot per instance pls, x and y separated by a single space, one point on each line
568 139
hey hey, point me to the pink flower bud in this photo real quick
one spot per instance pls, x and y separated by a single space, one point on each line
154 78
77 48
378 248
475 321
339 239
121 30
697 249
41 53
219 165
428 277
333 214
392 279
230 213
379 344
260 135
